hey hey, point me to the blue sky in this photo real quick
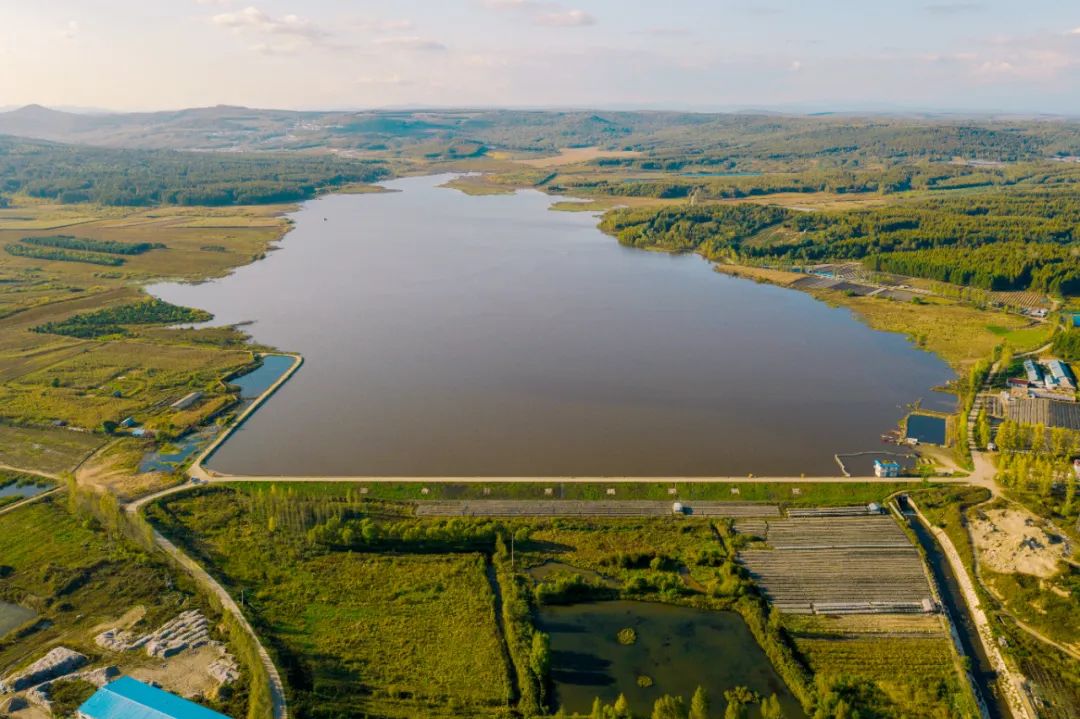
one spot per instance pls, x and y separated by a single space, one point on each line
991 55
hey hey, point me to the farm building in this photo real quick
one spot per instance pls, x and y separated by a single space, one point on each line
187 400
1033 371
886 468
127 698
1063 376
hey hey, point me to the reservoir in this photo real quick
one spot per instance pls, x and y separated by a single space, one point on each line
450 335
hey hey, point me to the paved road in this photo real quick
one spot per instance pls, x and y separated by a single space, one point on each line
212 476
202 577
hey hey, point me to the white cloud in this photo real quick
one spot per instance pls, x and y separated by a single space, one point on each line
410 42
255 19
565 18
795 65
220 3
1075 32
281 35
378 25
548 14
71 29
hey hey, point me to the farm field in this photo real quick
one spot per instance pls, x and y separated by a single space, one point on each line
50 378
838 565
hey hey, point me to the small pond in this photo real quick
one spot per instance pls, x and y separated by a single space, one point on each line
680 648
926 428
173 454
21 491
12 616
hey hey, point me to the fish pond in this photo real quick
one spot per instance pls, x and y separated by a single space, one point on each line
675 650
926 428
453 335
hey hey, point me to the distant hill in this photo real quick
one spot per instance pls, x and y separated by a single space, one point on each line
433 133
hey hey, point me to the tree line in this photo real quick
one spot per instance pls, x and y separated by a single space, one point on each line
73 174
1016 240
111 320
109 247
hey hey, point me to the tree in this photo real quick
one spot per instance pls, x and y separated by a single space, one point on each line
737 701
770 708
669 707
1038 438
699 705
982 429
540 655
597 709
622 708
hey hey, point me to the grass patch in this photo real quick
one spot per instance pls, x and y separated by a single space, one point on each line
913 676
45 450
957 333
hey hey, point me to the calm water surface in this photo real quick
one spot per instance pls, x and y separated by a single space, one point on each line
679 648
452 335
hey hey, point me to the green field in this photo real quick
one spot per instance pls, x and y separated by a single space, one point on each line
356 631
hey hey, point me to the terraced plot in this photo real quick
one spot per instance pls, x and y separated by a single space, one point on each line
838 565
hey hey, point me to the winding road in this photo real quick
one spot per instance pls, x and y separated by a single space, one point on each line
211 585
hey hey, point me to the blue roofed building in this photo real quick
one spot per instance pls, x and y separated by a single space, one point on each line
886 468
128 698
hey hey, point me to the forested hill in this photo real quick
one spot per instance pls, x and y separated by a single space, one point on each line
665 134
1017 238
68 173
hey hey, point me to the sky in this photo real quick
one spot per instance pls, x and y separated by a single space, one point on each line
805 55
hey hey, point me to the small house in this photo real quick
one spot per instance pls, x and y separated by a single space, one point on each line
886 468
128 698
128 422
